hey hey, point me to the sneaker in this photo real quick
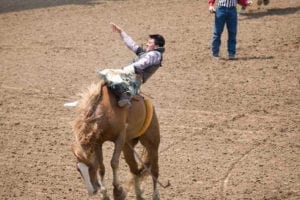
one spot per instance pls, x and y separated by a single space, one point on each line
266 2
216 57
231 57
259 2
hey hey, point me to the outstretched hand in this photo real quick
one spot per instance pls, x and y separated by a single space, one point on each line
115 28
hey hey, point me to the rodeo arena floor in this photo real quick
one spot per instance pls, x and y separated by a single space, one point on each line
230 129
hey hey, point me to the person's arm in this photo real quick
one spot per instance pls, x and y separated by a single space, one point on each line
126 38
129 42
211 2
245 2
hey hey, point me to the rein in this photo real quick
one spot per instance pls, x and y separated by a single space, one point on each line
148 170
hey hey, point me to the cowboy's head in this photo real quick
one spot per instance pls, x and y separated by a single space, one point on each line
155 41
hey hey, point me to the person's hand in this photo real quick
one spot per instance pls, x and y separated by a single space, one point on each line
211 9
249 2
115 28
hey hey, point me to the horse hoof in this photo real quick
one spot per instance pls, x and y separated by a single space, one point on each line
119 194
140 197
156 197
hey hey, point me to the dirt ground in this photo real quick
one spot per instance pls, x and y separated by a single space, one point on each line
229 129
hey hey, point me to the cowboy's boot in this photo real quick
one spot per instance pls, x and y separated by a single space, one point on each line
124 100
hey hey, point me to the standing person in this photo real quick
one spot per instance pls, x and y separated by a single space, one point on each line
225 13
146 63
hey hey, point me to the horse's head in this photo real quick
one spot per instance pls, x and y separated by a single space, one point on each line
87 166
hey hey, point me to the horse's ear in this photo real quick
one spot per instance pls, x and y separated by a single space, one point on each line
78 152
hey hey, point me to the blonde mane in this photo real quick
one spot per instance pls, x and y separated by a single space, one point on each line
84 125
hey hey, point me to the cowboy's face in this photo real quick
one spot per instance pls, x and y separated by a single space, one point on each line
150 45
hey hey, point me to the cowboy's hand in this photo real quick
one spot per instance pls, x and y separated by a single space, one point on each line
115 28
249 3
211 9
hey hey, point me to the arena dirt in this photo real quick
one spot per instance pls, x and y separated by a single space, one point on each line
229 129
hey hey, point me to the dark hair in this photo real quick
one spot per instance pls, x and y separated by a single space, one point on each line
158 39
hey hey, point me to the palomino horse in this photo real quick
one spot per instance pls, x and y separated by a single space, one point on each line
99 119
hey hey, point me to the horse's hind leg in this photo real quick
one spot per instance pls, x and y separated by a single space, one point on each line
152 166
152 162
133 166
153 155
150 140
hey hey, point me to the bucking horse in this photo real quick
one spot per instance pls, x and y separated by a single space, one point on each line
100 119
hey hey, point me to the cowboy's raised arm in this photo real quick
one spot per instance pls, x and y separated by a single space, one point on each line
126 38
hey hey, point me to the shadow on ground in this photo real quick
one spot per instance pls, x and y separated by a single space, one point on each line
20 5
256 58
270 12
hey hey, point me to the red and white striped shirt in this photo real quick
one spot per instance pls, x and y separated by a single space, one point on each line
229 3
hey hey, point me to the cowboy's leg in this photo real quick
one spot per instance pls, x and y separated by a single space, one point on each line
132 89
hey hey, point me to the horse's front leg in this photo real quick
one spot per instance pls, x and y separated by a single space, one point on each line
103 189
119 193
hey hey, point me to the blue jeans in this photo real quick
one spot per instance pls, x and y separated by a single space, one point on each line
224 16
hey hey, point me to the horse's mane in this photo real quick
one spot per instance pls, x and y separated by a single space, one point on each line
84 125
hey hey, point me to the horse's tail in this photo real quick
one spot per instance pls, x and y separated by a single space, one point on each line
87 105
145 166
